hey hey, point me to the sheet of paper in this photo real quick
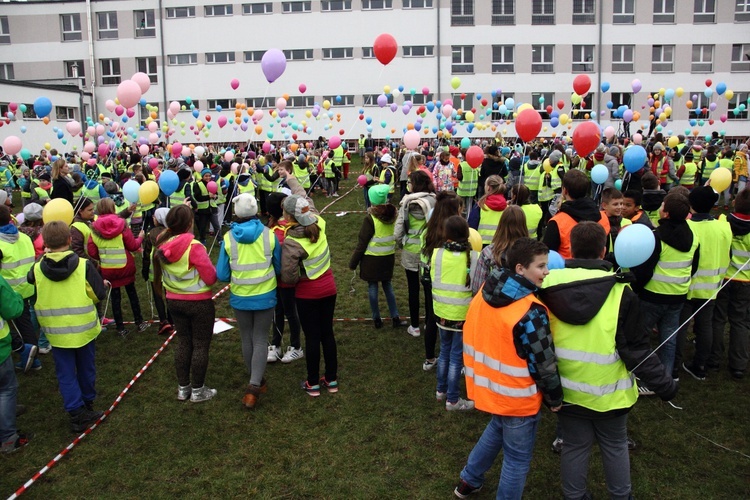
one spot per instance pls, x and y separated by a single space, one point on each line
221 326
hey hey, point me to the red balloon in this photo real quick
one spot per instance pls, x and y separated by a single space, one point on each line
708 82
463 96
528 124
474 156
341 131
586 138
560 104
484 102
208 118
582 84
385 48
548 109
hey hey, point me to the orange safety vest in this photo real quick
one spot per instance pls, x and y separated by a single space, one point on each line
565 224
497 379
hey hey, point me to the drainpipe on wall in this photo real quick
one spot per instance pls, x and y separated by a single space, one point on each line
599 63
439 52
163 65
92 60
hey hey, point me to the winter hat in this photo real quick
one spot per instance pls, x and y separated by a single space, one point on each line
378 194
206 171
32 212
386 158
689 156
555 157
658 146
702 199
299 208
514 164
183 174
599 155
160 214
245 206
45 177
614 150
453 150
273 204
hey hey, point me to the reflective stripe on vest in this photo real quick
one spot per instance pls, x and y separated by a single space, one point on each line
740 260
488 222
328 168
565 224
255 273
688 176
17 260
179 278
708 168
302 175
112 253
715 237
338 156
42 194
383 242
178 197
672 272
392 183
318 259
450 295
203 205
467 186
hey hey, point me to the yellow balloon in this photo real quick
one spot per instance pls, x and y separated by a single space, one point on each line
469 116
308 113
662 91
575 98
47 146
546 166
475 240
720 179
662 116
387 89
326 104
455 82
673 141
148 192
524 106
564 118
729 94
262 161
58 209
679 91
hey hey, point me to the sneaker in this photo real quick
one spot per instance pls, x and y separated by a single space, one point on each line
142 326
27 357
464 489
737 374
36 365
107 322
84 419
15 445
335 195
252 393
165 328
631 444
557 445
378 323
460 405
331 387
440 396
311 390
123 333
413 331
44 349
202 394
274 354
399 323
645 391
183 392
429 364
292 354
697 372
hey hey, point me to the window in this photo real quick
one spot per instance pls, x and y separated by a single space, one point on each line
462 12
75 69
287 7
699 105
147 65
543 12
704 11
662 58
584 12
107 23
732 105
420 99
254 55
218 10
299 54
583 58
664 11
372 99
65 113
742 11
540 101
260 102
6 71
338 53
4 108
145 25
4 30
463 59
503 12
180 12
584 108
257 8
417 4
340 100
367 53
30 114
300 101
219 57
502 59
110 69
195 103
335 5
71 27
622 58
182 59
500 101
419 50
464 104
740 57
619 99
542 58
377 4
144 112
623 12
703 59
224 103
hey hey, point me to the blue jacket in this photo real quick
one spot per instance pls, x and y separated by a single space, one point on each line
92 184
248 232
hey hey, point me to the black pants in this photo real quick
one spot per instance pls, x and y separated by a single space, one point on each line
135 305
263 197
160 306
286 305
431 331
22 329
202 220
412 282
194 322
316 318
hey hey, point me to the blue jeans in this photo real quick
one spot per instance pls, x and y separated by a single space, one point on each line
666 317
76 374
516 437
8 393
450 362
390 298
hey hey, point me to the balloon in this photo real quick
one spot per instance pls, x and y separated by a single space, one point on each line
168 182
455 82
148 192
609 132
474 156
26 154
176 149
130 190
212 187
143 81
586 138
385 48
129 93
73 127
528 124
58 209
42 107
143 149
636 85
599 174
673 141
198 166
556 261
235 84
228 156
465 143
273 64
362 180
729 94
627 115
302 88
475 240
334 142
720 179
605 86
12 145
618 184
411 139
634 157
634 245
582 84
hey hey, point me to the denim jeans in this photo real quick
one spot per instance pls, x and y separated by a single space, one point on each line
666 317
8 393
516 437
390 298
450 362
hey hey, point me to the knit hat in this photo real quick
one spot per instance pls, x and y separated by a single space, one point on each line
111 187
45 177
614 150
702 199
599 156
245 205
378 194
658 146
160 214
205 171
514 164
183 174
273 204
453 150
32 212
299 208
386 158
555 157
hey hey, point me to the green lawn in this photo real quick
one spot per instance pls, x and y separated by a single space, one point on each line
382 435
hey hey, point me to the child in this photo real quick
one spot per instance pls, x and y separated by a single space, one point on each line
631 208
653 196
450 271
71 325
147 270
687 171
511 227
375 253
486 215
612 202
520 195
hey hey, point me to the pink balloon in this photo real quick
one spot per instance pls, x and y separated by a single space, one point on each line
12 145
362 180
233 168
174 107
100 129
198 166
447 110
212 187
153 163
85 156
130 112
411 139
13 106
153 137
222 121
89 147
334 142
273 64
266 147
91 162
110 105
257 115
129 93
73 128
143 81
176 149
302 88
235 84
637 139
119 110
152 127
280 103
143 149
103 149
228 156
425 90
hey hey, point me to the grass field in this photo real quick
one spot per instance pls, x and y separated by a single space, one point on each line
383 434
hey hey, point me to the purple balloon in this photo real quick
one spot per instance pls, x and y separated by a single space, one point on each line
273 64
382 100
636 85
627 115
394 107
712 106
243 126
405 109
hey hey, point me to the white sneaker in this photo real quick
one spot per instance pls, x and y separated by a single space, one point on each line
429 365
335 195
184 392
203 394
413 331
274 354
460 405
645 391
292 354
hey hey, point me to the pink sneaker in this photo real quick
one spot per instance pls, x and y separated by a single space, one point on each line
106 322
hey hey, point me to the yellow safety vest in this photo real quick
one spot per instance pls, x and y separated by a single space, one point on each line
393 178
92 194
708 168
740 259
251 264
302 175
413 243
450 295
328 168
715 237
531 177
533 214
383 241
178 197
85 230
18 258
318 259
112 253
42 194
211 202
488 222
672 272
248 188
468 184
338 156
688 176
179 278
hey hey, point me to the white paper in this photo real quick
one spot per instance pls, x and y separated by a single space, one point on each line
221 326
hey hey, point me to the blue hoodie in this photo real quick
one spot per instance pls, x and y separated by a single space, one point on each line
248 232
91 184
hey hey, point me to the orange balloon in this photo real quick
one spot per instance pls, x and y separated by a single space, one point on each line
293 146
410 126
657 104
689 104
250 111
636 115
696 132
258 129
285 96
46 120
237 120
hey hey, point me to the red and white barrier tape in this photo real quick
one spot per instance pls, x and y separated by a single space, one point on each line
338 199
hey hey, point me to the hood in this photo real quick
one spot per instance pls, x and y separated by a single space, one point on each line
57 266
248 231
384 213
652 199
740 224
91 184
582 209
9 233
533 164
504 287
496 202
108 226
711 156
676 234
173 250
493 157
418 202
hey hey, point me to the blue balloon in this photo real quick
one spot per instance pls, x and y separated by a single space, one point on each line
605 86
195 113
218 108
168 182
430 106
599 174
143 101
634 245
130 191
610 104
721 87
554 122
634 158
618 184
556 261
42 107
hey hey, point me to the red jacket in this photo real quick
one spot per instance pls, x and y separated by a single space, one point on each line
108 227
